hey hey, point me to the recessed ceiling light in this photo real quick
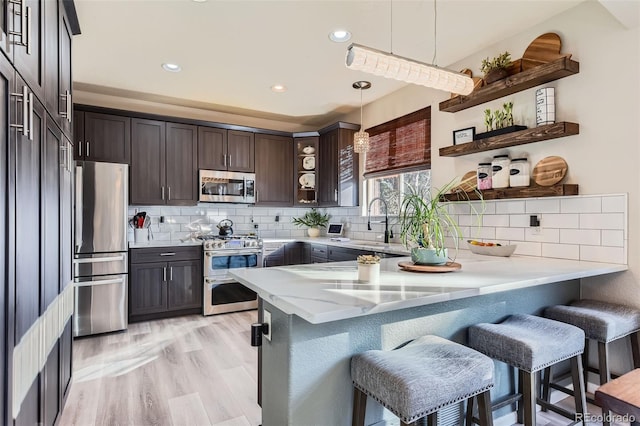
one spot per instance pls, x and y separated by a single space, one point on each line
339 36
199 1
278 88
167 66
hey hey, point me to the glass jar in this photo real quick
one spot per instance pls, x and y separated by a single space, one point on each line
500 171
519 172
484 176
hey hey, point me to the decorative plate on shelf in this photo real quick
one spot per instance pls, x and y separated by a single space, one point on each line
495 250
309 163
308 150
308 180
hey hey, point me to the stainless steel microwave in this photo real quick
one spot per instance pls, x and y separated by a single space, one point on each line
227 187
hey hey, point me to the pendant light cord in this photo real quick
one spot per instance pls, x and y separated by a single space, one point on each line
435 31
361 123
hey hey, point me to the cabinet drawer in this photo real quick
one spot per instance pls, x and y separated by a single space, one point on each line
165 254
319 251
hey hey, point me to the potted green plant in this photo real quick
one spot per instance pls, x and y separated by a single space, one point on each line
496 68
314 220
425 224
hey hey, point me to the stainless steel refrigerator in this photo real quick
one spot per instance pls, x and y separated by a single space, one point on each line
100 257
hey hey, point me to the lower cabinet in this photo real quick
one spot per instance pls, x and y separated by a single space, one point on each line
300 253
165 282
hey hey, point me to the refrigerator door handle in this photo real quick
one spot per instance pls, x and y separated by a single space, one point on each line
78 207
99 259
100 282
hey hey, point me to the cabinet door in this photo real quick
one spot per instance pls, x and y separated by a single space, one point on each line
64 74
148 288
52 67
51 387
327 177
27 159
50 205
66 361
241 151
348 170
78 135
147 174
106 137
185 285
181 164
212 148
66 213
293 253
29 60
274 170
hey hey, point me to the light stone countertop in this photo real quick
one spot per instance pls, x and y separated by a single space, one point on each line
321 293
164 243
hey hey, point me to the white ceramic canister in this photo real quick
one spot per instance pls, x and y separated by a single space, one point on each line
484 176
519 172
500 171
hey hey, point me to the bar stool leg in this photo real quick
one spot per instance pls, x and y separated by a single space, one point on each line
603 358
484 409
635 349
359 407
579 393
520 406
432 419
469 419
529 398
547 379
585 361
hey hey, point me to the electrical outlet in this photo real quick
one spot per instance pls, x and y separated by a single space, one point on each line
267 320
255 226
277 218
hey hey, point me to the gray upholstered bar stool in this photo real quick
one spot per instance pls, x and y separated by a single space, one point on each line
603 322
530 344
420 378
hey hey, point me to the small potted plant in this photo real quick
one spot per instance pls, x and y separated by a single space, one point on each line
496 68
314 220
425 224
368 268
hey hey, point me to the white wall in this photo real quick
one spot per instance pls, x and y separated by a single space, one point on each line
604 98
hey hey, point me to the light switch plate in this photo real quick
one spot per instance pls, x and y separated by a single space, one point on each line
267 320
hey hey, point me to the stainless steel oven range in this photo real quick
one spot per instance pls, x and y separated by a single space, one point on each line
222 293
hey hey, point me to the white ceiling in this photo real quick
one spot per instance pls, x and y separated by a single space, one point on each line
233 51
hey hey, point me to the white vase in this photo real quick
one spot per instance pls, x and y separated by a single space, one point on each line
369 272
313 232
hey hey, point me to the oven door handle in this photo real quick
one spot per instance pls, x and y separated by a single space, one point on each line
225 253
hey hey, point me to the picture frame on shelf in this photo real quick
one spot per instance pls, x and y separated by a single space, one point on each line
464 135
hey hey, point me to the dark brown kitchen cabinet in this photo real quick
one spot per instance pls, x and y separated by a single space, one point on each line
102 137
163 163
338 167
29 51
274 170
52 160
164 282
220 149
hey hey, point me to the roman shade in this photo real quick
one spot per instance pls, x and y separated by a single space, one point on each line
400 145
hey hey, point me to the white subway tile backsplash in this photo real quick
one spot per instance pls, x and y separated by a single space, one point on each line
603 254
590 237
614 204
495 220
465 220
561 251
510 234
484 208
581 205
549 205
612 238
528 248
510 207
542 235
554 220
458 208
519 220
602 221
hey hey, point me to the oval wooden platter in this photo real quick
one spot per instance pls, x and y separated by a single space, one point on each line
468 183
544 49
412 267
549 171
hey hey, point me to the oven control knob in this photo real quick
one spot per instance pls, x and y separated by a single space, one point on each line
206 245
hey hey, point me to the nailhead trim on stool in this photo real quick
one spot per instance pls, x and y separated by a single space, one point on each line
421 377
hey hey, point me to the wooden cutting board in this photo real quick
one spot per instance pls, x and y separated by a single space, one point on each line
549 171
544 49
412 267
468 183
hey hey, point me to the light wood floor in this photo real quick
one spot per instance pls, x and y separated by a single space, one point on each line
186 371
191 370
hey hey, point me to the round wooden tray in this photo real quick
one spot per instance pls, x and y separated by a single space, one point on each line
412 267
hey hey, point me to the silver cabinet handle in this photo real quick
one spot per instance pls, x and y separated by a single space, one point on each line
162 189
30 116
99 259
257 196
64 157
335 196
67 106
164 273
99 282
87 150
168 193
28 41
79 149
24 98
167 254
23 23
170 273
224 160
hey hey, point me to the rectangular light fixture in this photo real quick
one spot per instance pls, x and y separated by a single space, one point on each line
388 65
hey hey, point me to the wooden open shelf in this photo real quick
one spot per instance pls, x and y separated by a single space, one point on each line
535 134
532 77
524 192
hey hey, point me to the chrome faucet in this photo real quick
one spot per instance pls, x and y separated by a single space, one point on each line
385 221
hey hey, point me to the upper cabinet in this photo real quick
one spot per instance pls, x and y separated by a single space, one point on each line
220 149
163 163
28 47
338 167
102 137
274 170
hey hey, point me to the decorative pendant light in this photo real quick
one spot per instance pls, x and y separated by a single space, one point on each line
361 138
388 65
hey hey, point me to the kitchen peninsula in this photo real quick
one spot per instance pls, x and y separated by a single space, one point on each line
321 315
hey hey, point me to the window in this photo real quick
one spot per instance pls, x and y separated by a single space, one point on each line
392 188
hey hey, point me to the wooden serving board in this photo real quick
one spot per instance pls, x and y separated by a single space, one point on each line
549 171
412 267
542 50
468 183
